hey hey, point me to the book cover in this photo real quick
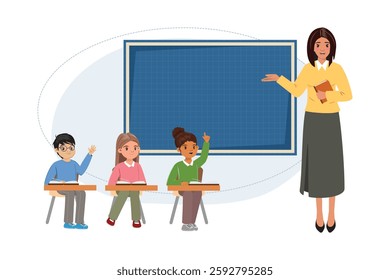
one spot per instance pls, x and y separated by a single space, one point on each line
323 86
131 183
53 182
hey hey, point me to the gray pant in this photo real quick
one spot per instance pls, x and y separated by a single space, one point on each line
191 201
70 197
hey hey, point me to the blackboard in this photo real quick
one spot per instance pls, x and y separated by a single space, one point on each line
213 87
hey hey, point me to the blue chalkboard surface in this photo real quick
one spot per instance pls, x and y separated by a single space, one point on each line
213 87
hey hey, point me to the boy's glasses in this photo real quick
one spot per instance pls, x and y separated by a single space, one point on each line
64 148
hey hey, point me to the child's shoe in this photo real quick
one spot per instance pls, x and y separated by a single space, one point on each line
69 225
81 226
110 222
136 224
187 227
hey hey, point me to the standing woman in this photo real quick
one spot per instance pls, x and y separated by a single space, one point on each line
322 173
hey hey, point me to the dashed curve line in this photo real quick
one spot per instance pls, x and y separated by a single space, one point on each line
133 33
247 185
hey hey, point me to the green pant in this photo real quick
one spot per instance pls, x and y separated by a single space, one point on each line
120 201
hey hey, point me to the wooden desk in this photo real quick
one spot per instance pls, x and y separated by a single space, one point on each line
69 187
131 187
195 187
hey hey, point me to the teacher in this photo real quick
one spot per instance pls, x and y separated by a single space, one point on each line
322 173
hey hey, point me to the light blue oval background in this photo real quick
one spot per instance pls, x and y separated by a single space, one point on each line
91 109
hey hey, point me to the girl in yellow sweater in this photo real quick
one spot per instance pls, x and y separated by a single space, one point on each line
322 173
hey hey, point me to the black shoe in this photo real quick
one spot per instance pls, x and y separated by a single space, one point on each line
320 229
330 229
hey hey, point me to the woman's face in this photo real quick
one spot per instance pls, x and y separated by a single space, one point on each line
130 150
188 149
322 48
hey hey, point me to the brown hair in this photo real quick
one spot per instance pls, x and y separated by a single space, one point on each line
182 136
122 139
314 36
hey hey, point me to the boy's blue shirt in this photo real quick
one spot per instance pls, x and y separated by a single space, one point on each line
67 171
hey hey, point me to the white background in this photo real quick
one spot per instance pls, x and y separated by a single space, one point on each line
276 229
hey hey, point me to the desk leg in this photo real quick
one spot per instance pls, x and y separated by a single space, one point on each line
142 215
204 212
50 209
174 209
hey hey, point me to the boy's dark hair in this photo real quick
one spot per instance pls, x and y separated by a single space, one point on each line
62 139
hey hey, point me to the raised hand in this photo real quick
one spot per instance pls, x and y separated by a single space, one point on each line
206 138
91 149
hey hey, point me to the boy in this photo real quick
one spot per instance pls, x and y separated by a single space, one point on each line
65 170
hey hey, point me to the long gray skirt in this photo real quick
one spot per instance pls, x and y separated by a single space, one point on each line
322 172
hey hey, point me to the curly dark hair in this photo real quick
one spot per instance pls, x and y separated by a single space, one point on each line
181 136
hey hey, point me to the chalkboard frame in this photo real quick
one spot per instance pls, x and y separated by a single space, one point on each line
292 150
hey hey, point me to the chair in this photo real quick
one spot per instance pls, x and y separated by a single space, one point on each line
53 194
142 211
200 176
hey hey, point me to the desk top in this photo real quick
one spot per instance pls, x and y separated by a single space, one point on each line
69 187
195 187
131 187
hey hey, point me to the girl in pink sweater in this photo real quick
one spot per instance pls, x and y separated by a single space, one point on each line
126 169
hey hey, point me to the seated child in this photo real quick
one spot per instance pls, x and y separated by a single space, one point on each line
65 170
187 170
129 170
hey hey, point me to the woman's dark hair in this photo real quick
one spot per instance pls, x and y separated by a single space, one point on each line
314 36
182 136
62 139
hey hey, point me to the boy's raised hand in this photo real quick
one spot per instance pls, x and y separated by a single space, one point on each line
206 138
91 149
